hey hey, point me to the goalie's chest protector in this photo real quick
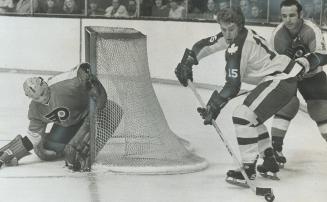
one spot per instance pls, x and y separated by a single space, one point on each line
255 59
68 104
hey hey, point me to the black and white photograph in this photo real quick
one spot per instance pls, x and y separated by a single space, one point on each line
163 100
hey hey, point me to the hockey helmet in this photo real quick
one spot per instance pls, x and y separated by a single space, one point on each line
36 88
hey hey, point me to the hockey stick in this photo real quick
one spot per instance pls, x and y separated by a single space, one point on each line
266 192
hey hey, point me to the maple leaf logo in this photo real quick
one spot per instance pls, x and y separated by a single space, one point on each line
232 49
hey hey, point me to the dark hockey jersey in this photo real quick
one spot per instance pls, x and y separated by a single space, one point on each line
308 36
68 104
248 59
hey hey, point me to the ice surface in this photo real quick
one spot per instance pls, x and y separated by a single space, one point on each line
304 178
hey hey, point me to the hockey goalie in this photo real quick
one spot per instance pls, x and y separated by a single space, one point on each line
63 100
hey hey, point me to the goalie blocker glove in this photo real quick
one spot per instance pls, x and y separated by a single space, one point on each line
183 70
77 151
211 112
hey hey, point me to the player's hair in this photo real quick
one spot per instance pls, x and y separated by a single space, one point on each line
231 15
292 3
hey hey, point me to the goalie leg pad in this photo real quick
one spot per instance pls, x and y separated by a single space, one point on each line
14 149
77 151
44 153
60 136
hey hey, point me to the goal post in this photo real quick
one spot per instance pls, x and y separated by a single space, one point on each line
131 134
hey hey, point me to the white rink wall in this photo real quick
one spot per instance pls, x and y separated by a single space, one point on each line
57 44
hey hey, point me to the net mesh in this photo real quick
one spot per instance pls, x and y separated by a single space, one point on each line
132 134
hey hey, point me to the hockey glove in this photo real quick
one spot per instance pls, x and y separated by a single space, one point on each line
183 70
297 49
77 158
85 75
212 110
84 72
91 81
296 52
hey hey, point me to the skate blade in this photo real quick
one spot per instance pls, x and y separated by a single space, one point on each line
269 176
237 182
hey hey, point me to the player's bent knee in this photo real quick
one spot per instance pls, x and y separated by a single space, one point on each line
290 109
243 115
317 110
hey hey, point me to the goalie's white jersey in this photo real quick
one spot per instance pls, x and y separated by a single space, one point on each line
68 104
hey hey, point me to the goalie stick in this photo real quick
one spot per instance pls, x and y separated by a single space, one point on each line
260 191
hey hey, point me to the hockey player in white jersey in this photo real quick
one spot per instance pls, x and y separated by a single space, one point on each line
296 37
63 100
248 60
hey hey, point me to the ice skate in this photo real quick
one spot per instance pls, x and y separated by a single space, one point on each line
236 177
270 167
280 158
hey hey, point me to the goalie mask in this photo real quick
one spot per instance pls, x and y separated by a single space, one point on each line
37 89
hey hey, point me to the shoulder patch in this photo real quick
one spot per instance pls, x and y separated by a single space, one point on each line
213 39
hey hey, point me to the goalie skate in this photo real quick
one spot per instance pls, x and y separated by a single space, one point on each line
269 167
235 177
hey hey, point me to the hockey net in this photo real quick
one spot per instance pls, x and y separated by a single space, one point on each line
131 135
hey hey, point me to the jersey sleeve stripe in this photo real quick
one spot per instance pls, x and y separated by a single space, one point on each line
209 46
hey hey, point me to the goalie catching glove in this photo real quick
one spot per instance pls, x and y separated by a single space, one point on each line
85 75
77 151
183 70
211 112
